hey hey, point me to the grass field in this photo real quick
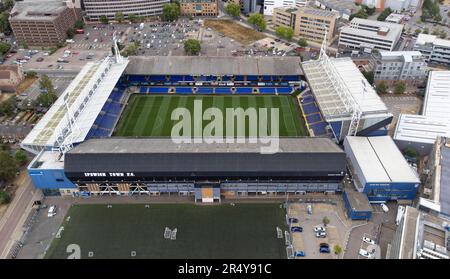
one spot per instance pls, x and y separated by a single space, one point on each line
151 115
235 31
219 231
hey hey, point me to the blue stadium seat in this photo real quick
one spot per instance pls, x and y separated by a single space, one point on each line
143 89
205 90
243 90
310 108
267 90
223 90
319 128
284 90
183 90
312 118
159 89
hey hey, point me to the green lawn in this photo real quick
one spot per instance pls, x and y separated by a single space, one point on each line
151 115
217 231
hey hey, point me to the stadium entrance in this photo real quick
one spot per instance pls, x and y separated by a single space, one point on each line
207 192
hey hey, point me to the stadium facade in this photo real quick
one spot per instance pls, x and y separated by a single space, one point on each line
76 153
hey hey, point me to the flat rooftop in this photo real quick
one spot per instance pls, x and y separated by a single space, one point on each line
437 96
200 65
37 10
317 12
369 28
420 128
380 160
444 191
117 145
424 39
347 6
358 201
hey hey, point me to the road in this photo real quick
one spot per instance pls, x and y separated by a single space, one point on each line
13 217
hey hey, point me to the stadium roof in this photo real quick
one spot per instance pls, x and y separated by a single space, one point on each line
118 145
380 160
435 120
298 157
327 95
85 96
195 65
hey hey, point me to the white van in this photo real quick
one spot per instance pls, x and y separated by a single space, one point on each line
51 211
384 207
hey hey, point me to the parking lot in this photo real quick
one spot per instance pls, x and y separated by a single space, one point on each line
401 104
307 241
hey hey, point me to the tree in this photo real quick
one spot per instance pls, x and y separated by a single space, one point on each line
285 32
79 24
5 27
411 152
233 10
192 47
7 107
21 157
5 197
384 14
443 34
426 30
369 75
325 221
70 33
418 31
258 21
119 17
46 100
302 42
8 4
132 18
31 74
337 249
400 87
171 12
104 19
46 84
4 48
8 167
381 88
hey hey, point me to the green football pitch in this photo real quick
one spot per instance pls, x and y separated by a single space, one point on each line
151 115
216 231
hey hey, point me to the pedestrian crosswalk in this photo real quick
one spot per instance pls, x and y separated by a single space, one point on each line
94 46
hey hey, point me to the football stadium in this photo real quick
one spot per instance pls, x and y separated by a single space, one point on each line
109 133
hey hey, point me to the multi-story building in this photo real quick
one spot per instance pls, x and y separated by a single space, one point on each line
344 7
199 7
392 66
434 49
270 5
364 34
42 23
94 9
395 5
307 22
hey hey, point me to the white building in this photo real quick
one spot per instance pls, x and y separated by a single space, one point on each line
95 8
434 49
391 66
269 5
395 5
395 18
364 34
420 131
344 7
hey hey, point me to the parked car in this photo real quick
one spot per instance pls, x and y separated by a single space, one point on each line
368 240
40 59
364 253
324 248
321 234
319 229
292 220
299 254
51 211
296 229
384 207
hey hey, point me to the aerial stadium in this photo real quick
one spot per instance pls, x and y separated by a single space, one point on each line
109 132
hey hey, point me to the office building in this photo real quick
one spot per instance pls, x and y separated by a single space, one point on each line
199 7
434 49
